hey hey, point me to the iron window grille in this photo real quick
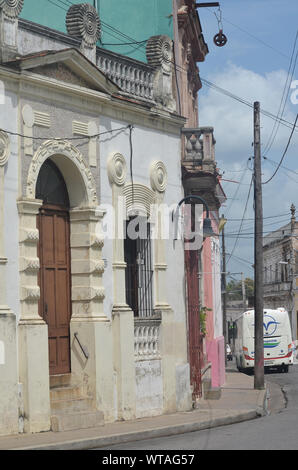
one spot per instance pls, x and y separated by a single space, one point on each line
139 273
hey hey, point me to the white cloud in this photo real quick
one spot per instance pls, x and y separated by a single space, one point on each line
233 121
233 130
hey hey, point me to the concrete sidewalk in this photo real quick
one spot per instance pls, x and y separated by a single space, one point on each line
239 402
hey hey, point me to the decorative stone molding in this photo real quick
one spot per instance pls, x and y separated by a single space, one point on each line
11 8
97 241
4 148
82 21
199 148
88 129
30 293
42 119
117 169
29 262
135 79
66 149
159 52
28 120
160 55
147 339
158 176
9 13
29 235
139 198
87 265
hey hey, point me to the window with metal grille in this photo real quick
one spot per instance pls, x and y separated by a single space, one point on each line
139 273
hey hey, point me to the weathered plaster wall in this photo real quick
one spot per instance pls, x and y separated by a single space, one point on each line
149 388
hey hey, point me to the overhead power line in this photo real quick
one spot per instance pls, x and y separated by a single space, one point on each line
244 212
245 102
284 98
83 137
181 69
284 153
251 35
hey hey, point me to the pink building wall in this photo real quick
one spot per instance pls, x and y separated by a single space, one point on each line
214 344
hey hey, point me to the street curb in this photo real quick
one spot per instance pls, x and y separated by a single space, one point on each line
99 442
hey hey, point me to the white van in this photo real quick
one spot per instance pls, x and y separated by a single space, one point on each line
277 340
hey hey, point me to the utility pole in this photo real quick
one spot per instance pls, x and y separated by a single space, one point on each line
243 291
259 304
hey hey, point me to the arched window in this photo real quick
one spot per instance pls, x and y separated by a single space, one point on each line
50 186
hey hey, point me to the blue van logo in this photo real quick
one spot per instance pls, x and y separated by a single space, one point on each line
270 325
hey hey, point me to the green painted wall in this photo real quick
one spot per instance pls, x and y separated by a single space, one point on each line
122 20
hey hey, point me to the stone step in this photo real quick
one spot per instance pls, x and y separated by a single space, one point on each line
67 392
79 420
60 380
71 405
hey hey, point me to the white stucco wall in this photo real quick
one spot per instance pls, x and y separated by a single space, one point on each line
8 121
148 145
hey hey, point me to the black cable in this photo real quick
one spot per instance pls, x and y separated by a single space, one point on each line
245 102
208 83
251 35
124 43
181 69
285 151
64 138
244 212
282 166
281 112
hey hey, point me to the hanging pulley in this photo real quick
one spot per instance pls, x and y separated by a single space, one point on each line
220 39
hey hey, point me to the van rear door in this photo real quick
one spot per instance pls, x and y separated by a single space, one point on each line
275 347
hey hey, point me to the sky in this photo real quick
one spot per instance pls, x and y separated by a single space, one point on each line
254 66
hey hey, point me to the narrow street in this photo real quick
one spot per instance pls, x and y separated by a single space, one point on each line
276 431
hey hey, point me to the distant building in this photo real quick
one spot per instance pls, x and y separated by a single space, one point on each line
281 270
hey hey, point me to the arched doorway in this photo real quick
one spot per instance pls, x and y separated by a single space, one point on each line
54 255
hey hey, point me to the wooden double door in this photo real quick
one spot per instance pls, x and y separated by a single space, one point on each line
54 281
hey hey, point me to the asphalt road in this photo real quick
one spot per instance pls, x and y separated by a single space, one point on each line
276 431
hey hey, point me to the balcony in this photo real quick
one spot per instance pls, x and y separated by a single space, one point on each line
199 169
134 78
199 150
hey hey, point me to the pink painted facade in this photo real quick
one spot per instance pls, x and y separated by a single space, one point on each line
212 299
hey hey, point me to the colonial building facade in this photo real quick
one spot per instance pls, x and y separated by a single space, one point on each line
93 319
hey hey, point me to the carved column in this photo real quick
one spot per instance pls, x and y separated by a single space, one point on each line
32 329
158 179
123 318
8 350
89 322
9 13
82 21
